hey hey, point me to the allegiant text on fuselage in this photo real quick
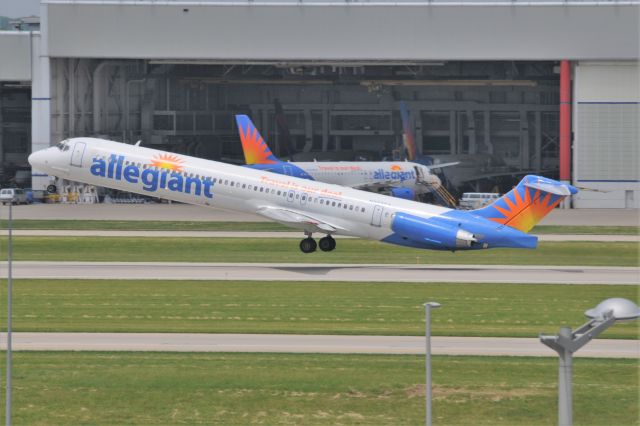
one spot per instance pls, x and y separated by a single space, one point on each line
151 179
401 176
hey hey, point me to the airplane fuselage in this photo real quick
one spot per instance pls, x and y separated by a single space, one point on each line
308 205
398 174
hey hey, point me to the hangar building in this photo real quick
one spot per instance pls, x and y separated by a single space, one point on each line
482 81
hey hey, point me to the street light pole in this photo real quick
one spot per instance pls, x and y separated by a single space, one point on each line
567 342
565 382
427 332
9 316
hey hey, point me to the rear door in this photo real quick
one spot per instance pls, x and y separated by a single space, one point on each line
376 217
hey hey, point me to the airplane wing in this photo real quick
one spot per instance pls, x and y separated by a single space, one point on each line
443 165
297 220
377 186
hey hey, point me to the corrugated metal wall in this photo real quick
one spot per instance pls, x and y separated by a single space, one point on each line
607 134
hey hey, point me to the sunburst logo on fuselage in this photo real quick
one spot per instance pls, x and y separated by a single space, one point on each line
396 168
168 162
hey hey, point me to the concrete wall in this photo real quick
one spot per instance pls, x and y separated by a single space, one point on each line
350 31
15 56
607 134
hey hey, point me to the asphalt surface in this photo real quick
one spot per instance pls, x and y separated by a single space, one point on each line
184 212
272 343
297 235
319 272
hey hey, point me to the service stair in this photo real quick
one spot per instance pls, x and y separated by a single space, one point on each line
445 196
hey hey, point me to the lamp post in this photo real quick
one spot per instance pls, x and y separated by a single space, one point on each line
9 315
567 342
427 332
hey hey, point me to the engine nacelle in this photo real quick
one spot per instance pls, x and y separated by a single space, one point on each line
433 232
404 193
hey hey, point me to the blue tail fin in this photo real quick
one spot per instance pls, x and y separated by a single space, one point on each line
256 150
526 204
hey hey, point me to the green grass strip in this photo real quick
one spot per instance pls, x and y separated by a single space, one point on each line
284 389
144 225
501 310
286 250
587 230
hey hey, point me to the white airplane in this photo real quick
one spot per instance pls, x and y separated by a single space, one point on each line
313 207
401 179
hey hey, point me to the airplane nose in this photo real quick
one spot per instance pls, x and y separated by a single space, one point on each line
37 159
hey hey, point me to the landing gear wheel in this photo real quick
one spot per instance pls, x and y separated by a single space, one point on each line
51 189
308 245
327 243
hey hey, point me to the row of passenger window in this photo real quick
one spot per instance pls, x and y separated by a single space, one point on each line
256 188
285 194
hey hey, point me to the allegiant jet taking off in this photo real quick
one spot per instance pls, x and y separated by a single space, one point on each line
400 179
313 207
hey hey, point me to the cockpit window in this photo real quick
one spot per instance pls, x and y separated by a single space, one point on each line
63 146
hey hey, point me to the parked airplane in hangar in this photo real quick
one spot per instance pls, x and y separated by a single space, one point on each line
311 206
475 172
401 179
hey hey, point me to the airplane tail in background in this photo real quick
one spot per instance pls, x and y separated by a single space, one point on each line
526 204
407 133
256 150
285 145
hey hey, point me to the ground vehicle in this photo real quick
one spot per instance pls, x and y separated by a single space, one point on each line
13 196
475 200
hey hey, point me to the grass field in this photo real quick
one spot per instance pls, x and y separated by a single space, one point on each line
241 389
104 249
145 225
522 310
140 225
600 230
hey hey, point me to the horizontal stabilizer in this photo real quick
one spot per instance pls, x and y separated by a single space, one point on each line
552 187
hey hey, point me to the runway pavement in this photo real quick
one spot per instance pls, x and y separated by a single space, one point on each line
487 346
329 272
245 234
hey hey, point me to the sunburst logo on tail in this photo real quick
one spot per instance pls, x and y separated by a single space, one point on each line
168 161
255 148
524 207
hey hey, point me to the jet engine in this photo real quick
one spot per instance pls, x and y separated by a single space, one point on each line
434 232
404 193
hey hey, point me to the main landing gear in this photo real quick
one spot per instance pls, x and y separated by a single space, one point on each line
327 243
309 245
